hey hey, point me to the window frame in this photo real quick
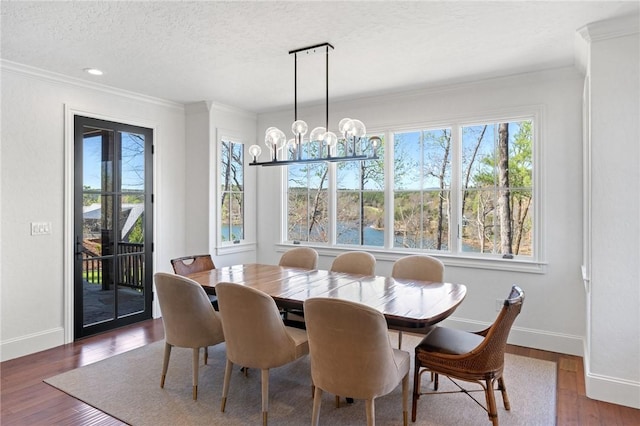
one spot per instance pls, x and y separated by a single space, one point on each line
243 244
455 257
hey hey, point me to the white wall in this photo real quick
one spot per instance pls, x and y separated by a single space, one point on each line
207 122
34 290
553 313
612 358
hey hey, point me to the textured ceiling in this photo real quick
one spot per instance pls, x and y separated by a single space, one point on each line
236 53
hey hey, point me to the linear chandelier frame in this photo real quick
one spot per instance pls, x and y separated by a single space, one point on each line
352 131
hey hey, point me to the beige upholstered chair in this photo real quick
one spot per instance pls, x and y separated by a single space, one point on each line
304 258
417 267
189 319
355 262
472 357
300 257
351 354
191 264
255 335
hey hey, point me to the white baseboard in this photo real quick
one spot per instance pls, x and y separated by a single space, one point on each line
530 338
610 389
31 343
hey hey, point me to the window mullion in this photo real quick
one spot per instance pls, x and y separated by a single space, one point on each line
388 190
455 195
332 202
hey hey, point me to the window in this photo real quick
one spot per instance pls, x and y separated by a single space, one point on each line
308 213
360 199
422 182
462 189
497 188
231 191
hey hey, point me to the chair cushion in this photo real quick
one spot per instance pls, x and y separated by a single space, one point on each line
450 341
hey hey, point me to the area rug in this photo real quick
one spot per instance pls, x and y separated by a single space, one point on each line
127 387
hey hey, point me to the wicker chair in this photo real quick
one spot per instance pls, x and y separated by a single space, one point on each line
472 357
417 267
191 264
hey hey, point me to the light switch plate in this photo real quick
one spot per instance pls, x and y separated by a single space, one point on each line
40 228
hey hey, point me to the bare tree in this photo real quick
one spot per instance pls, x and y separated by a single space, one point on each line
504 206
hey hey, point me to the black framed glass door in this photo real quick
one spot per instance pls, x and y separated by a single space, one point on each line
113 225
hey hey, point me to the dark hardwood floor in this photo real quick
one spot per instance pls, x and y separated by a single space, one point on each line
27 400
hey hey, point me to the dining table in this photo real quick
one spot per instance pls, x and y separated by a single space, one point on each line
406 304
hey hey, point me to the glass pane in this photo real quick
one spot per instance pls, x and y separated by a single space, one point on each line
435 220
132 218
97 159
498 158
237 166
478 156
97 280
237 216
97 225
225 170
478 221
437 159
225 211
407 219
297 217
130 279
132 162
373 218
318 215
307 215
232 186
407 161
348 230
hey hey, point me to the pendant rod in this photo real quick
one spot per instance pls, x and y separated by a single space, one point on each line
327 88
295 86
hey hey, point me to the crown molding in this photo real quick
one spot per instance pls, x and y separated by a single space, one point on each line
611 28
216 106
52 77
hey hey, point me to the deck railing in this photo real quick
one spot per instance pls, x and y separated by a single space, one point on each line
129 270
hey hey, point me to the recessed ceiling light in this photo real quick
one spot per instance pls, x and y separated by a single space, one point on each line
93 71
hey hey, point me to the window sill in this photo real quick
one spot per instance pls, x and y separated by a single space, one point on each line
231 248
460 261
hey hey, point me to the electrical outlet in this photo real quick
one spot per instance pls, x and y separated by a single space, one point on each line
40 228
499 303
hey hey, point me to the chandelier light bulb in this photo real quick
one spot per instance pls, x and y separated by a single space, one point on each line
358 129
342 124
316 134
330 139
299 128
255 151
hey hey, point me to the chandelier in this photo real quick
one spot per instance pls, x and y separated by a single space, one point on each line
351 131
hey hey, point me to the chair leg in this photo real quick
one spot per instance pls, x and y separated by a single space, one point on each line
491 402
337 401
225 384
265 395
317 400
206 355
196 360
416 389
505 397
371 412
165 363
399 339
405 399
